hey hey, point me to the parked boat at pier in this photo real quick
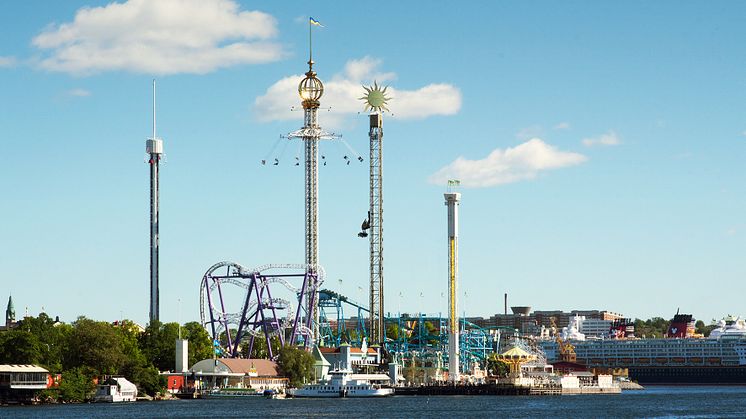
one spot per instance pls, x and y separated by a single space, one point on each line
341 383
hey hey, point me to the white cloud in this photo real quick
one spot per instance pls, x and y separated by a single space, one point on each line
562 126
610 138
342 90
743 133
7 62
78 93
522 162
159 37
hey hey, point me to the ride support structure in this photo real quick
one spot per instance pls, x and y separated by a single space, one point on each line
263 313
377 327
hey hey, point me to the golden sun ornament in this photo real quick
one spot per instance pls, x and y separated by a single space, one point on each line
375 98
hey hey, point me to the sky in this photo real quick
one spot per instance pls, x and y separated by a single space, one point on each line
599 147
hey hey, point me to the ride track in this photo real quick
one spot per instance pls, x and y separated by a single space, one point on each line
260 314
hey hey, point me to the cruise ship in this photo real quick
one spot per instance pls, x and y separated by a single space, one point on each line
680 358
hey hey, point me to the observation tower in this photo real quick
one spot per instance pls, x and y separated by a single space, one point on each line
452 202
154 148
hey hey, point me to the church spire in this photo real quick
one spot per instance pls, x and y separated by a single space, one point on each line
10 312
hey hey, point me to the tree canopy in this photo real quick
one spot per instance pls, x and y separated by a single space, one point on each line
296 364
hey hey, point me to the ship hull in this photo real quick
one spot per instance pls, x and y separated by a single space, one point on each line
688 375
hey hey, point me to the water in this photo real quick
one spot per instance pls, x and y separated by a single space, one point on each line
655 402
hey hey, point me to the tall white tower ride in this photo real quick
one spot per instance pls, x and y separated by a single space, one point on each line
154 148
452 202
375 101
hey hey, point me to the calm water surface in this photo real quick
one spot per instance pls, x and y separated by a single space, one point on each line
655 402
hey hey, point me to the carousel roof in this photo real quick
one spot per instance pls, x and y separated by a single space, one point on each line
516 353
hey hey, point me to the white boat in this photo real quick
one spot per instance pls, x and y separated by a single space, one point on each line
116 389
340 383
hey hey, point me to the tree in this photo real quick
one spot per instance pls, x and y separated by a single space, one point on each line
296 364
259 349
495 367
19 347
96 345
392 331
52 337
200 344
655 327
704 329
158 344
148 380
76 385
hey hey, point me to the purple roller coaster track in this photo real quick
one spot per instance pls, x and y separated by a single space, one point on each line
263 312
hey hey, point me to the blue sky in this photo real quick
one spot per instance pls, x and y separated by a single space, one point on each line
600 147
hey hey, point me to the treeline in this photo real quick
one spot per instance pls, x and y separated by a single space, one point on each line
657 327
87 348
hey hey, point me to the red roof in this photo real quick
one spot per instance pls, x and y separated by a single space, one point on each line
263 367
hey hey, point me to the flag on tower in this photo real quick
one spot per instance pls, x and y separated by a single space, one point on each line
315 22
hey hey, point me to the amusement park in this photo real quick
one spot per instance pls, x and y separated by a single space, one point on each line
284 304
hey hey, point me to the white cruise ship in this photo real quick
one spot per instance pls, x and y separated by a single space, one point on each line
717 359
341 383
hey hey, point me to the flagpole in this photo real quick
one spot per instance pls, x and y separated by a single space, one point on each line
310 44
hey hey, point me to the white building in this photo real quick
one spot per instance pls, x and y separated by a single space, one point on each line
116 389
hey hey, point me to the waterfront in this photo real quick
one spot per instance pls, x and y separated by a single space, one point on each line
660 402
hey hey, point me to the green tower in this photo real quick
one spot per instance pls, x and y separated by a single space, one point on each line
10 313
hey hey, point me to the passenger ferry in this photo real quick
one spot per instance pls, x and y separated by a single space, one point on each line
717 359
340 383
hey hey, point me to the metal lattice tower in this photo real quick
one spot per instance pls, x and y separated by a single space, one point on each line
377 329
310 90
375 101
154 148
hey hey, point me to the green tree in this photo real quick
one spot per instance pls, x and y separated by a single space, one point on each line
19 347
392 331
654 327
52 338
496 368
158 344
76 385
96 345
296 364
200 344
703 328
259 349
148 380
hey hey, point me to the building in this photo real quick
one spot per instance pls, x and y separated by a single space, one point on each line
525 321
348 357
257 374
116 389
21 383
595 327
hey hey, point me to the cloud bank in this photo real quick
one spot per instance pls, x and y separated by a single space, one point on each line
159 37
522 162
342 90
610 138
